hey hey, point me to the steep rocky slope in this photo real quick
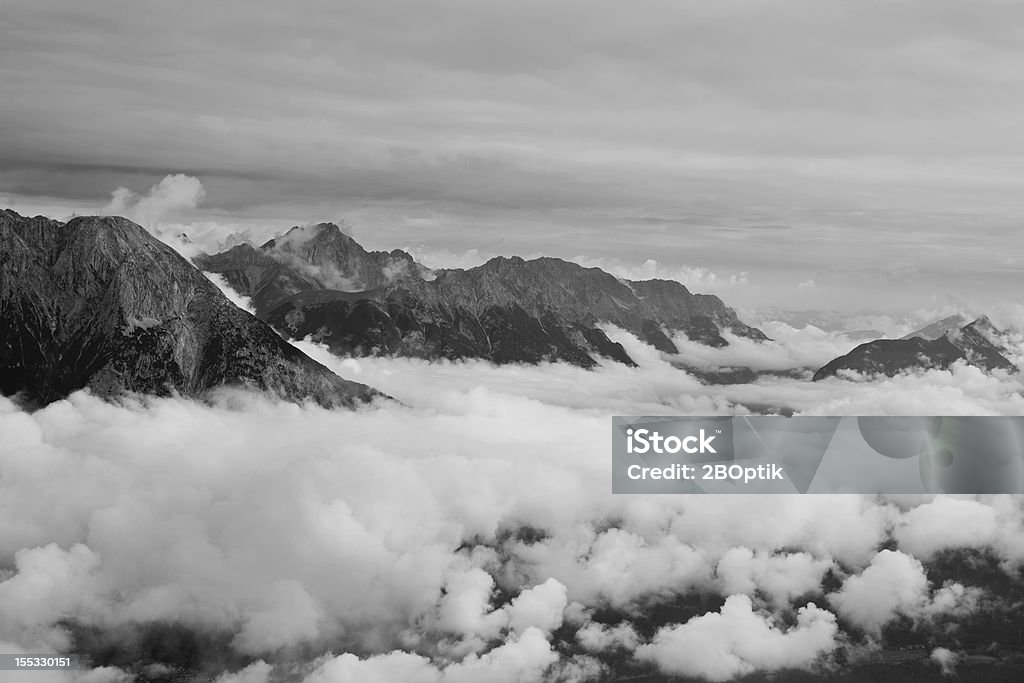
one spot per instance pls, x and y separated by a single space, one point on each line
98 302
976 343
318 281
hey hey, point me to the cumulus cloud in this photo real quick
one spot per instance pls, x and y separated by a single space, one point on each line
595 637
465 607
519 660
946 659
615 567
539 607
48 584
782 578
173 194
738 641
457 534
289 616
894 583
258 672
1009 541
394 666
946 523
953 600
203 534
897 584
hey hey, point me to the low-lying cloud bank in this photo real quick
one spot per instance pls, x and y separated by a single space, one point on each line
469 534
658 387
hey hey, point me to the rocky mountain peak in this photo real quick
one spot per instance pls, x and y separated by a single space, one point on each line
985 323
98 302
935 347
508 309
317 244
940 327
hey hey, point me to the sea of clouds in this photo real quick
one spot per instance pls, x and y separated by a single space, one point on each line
464 531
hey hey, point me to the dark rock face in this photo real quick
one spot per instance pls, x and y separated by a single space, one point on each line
98 302
319 257
506 310
975 343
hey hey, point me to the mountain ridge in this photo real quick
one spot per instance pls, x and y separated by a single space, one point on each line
938 328
508 309
97 302
976 343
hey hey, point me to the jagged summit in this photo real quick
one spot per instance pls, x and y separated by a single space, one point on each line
318 281
977 343
98 302
306 258
312 237
940 327
984 325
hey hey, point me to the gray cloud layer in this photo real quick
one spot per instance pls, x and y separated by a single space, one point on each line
702 132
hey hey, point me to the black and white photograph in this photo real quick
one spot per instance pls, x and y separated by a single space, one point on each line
511 341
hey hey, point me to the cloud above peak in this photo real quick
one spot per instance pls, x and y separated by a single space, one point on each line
173 194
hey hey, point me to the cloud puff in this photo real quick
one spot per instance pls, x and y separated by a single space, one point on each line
465 607
894 583
289 616
946 659
782 578
539 607
595 637
737 641
48 584
394 666
519 660
473 517
897 584
172 194
946 523
258 672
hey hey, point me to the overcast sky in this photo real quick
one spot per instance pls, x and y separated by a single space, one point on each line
840 154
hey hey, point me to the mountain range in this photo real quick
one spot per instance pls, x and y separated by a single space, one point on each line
99 303
318 281
936 346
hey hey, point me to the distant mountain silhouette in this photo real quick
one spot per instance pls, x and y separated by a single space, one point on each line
317 281
98 302
976 343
